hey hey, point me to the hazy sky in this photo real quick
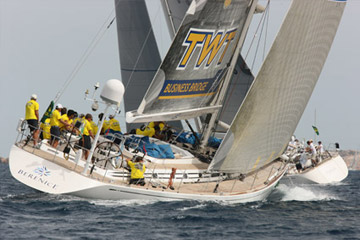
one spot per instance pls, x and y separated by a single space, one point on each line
42 41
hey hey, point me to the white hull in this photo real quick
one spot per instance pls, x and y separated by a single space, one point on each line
50 177
112 192
329 171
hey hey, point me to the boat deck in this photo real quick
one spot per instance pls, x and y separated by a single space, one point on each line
324 160
252 182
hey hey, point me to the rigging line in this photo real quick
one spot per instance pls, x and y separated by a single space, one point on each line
255 34
261 33
141 50
84 57
232 90
218 83
266 28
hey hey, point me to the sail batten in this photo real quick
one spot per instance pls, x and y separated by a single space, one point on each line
134 117
274 104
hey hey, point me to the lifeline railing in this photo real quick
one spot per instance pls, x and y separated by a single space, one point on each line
68 140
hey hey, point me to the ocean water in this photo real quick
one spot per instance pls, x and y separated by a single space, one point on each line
291 212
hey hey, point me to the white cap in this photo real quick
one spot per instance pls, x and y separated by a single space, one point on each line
34 96
59 105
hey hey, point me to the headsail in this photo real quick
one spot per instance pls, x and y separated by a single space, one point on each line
191 73
139 55
274 104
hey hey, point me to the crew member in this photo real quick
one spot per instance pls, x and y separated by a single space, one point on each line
94 127
64 118
106 124
32 117
114 131
320 150
312 150
137 170
45 129
55 121
114 124
153 129
85 141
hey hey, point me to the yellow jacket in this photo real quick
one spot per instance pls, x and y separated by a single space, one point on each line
45 127
137 171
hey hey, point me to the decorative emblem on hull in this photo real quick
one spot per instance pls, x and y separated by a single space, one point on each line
42 171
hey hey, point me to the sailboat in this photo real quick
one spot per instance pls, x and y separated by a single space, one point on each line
193 81
327 167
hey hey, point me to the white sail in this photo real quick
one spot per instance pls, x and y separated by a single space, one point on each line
191 74
275 102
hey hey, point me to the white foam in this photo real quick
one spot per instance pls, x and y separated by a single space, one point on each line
199 206
7 196
304 193
132 202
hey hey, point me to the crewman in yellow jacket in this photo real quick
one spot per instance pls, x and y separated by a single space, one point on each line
85 141
67 117
137 171
81 119
94 127
55 121
114 124
106 124
32 117
45 129
64 118
114 132
152 129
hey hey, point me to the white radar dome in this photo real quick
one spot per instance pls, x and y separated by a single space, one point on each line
113 91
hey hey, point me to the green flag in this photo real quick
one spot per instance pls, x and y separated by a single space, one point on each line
48 112
316 130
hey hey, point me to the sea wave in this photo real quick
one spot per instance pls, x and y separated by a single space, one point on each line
305 193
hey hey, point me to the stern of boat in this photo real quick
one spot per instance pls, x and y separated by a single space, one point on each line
39 173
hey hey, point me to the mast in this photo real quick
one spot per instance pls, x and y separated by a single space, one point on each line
209 127
170 22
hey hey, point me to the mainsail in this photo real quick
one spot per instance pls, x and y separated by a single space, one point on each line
191 74
278 97
242 77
